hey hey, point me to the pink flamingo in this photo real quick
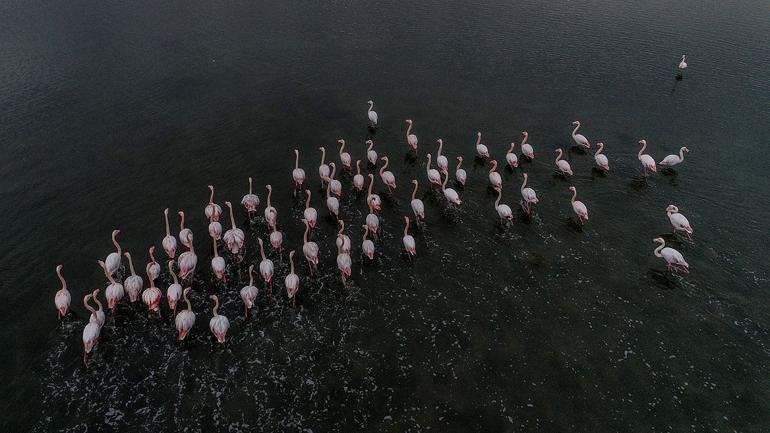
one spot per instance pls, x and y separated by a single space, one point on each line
601 159
451 195
580 139
503 210
372 221
367 246
441 161
411 139
153 268
97 316
185 235
387 176
114 291
249 293
297 174
528 196
133 283
434 176
271 213
250 201
418 208
682 65
234 237
212 210
678 221
578 207
215 229
373 199
647 162
217 263
218 324
174 291
266 268
371 154
332 203
674 260
371 114
344 263
527 148
481 149
334 184
62 299
151 297
510 157
323 170
90 333
562 165
672 160
358 179
408 240
344 156
310 213
185 320
460 174
113 259
310 250
169 242
188 260
494 177
276 239
342 241
292 281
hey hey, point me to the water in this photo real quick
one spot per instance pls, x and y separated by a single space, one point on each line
112 111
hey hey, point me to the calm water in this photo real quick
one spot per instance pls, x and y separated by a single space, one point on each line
112 111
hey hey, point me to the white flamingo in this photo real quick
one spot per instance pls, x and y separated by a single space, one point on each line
151 296
185 320
292 281
674 260
527 148
276 239
408 240
371 154
266 268
679 221
580 139
332 203
345 158
297 174
174 291
217 263
528 196
62 299
434 176
185 234
373 200
494 177
218 324
647 162
234 237
250 201
460 174
503 210
387 176
212 210
188 260
682 65
510 157
114 258
600 158
451 195
215 229
562 165
97 316
271 213
372 221
358 178
249 293
114 291
334 184
367 246
323 169
90 333
310 214
411 139
169 242
342 241
672 160
441 161
344 264
481 149
152 268
578 207
133 283
371 114
418 208
309 249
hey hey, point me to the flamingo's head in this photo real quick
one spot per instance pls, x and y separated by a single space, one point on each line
642 142
576 123
686 149
341 141
369 102
572 188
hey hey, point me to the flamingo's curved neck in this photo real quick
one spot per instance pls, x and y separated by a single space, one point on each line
88 307
659 248
187 301
499 196
406 228
342 146
384 166
216 305
459 163
440 146
262 249
131 264
171 271
371 144
107 274
216 252
168 229
250 190
232 218
307 229
342 227
251 275
323 155
644 146
366 232
211 197
358 166
524 140
558 157
334 170
291 261
427 168
414 191
371 183
574 194
443 185
512 146
269 195
296 159
408 129
601 148
493 167
152 254
478 139
371 105
63 283
681 154
98 304
574 131
181 223
524 184
115 242
307 200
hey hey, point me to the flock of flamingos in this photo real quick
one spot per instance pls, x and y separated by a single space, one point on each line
181 267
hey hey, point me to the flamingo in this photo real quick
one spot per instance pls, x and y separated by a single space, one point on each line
217 263
219 323
460 174
153 268
494 177
250 201
185 320
342 241
672 160
373 199
249 293
344 156
411 139
271 213
336 186
114 291
332 203
562 165
169 242
417 205
408 240
372 221
113 259
276 239
503 210
151 296
188 260
234 237
578 207
292 280
580 139
344 263
674 260
527 148
682 65
90 333
212 210
310 213
601 159
434 176
266 268
358 179
372 114
678 221
367 246
510 157
133 283
450 194
528 196
441 161
481 149
309 249
97 316
387 176
174 291
62 299
371 154
647 162
297 174
323 169
185 235
215 229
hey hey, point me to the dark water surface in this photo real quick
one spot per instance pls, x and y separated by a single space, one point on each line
111 111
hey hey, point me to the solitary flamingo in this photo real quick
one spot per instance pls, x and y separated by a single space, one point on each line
503 210
323 169
345 159
212 210
408 240
266 268
250 201
342 241
580 139
411 139
152 268
276 239
219 323
292 280
297 174
188 260
114 291
174 291
334 184
62 299
434 176
510 157
562 165
309 249
332 203
271 213
358 178
367 246
249 293
578 207
527 148
481 149
113 259
417 205
387 176
674 260
600 158
344 263
647 162
90 333
682 66
678 221
185 234
371 114
185 320
310 214
371 154
451 195
494 177
528 196
151 296
672 160
441 161
372 221
460 174
217 263
234 237
133 283
169 242
373 199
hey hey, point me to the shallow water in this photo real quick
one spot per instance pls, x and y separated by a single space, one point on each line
112 111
